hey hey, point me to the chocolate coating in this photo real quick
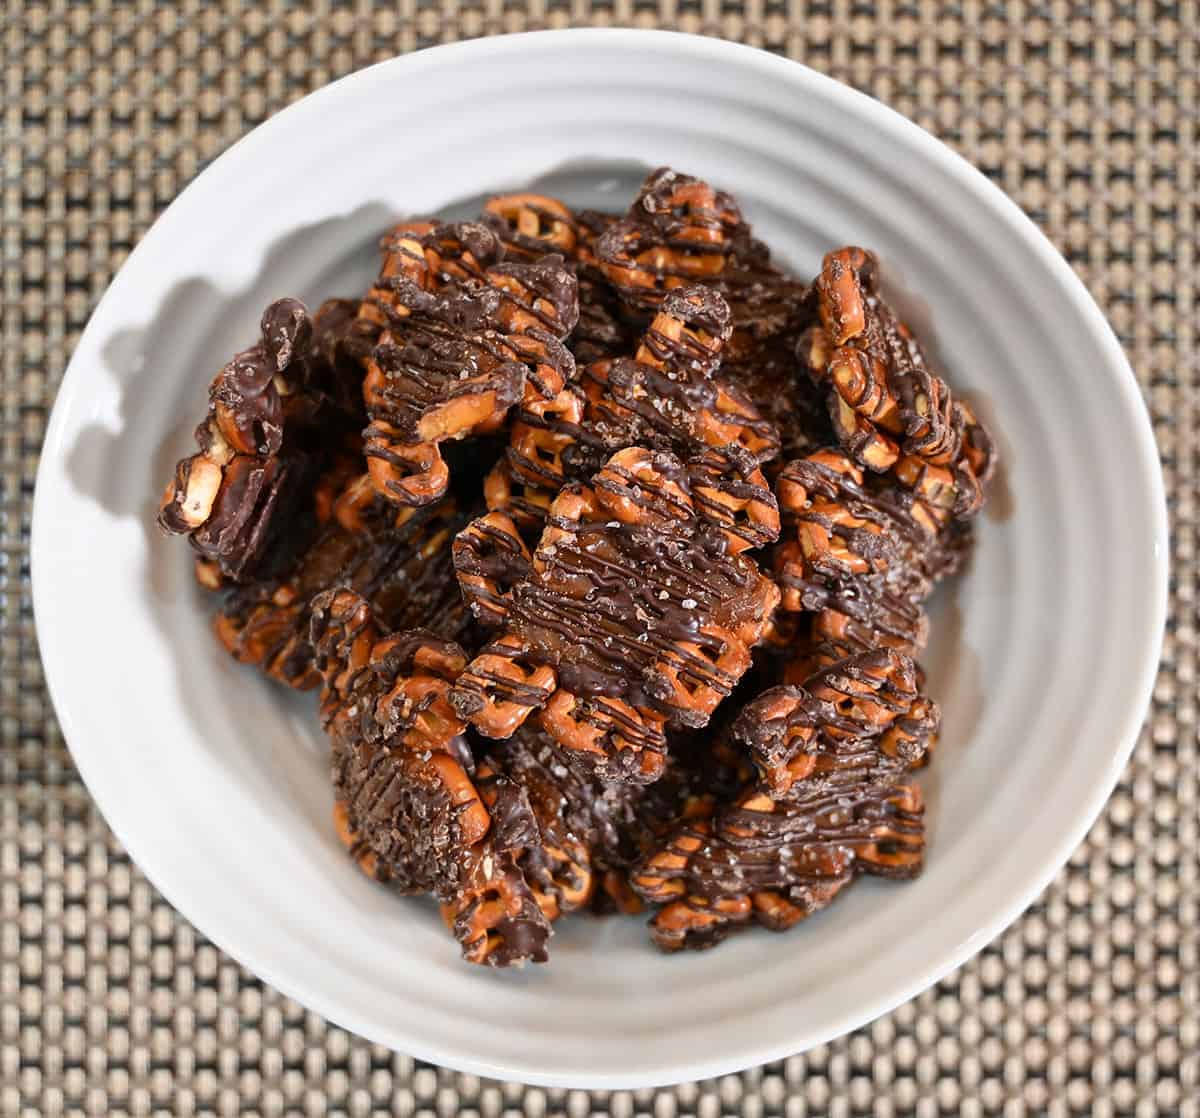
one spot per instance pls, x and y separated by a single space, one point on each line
260 453
612 601
466 335
404 571
776 862
862 717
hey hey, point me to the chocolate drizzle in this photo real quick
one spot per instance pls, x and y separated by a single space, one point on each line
678 231
610 604
636 613
404 790
860 551
432 367
467 336
860 719
889 410
776 862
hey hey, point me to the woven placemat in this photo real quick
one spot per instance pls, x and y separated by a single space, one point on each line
1087 114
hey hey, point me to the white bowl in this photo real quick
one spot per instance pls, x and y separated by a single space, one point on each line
216 783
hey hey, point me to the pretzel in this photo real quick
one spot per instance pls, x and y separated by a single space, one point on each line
687 334
490 557
542 436
686 918
269 632
638 488
425 256
502 686
504 905
568 842
839 533
403 678
671 395
668 396
398 560
863 712
617 741
730 491
863 552
455 274
404 258
408 807
532 225
417 398
495 915
236 498
871 445
774 862
885 621
524 503
886 405
593 832
678 231
681 231
833 757
467 334
635 611
402 784
557 865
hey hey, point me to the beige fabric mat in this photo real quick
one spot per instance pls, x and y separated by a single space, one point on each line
1087 114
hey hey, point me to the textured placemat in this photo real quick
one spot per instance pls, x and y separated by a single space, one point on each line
1087 114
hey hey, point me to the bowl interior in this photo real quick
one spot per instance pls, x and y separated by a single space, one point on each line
218 782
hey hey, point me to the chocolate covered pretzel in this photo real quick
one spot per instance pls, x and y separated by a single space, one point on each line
638 611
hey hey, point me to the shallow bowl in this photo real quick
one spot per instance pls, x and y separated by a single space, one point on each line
1043 654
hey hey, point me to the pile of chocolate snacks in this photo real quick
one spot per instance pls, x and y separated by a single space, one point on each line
606 542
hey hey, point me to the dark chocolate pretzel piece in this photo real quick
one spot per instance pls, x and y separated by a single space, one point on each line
774 862
889 410
797 733
638 611
399 560
678 231
466 334
274 411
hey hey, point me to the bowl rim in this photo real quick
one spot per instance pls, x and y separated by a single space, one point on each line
856 104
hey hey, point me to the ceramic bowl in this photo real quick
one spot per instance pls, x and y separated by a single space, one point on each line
1042 657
